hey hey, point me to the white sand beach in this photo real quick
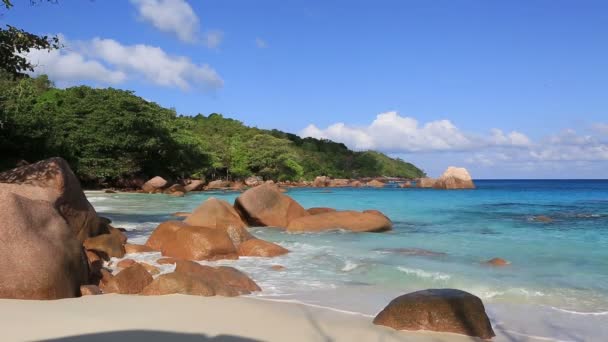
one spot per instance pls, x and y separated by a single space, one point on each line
189 318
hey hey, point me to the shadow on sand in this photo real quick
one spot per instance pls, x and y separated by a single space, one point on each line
149 336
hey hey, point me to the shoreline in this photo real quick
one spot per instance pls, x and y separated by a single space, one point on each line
193 318
249 318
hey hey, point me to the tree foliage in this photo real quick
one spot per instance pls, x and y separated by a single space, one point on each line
15 43
108 135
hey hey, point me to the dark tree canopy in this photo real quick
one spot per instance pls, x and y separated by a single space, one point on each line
108 135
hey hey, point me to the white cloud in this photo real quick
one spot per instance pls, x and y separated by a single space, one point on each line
110 62
391 132
213 39
155 65
172 16
69 67
601 128
439 143
514 138
261 43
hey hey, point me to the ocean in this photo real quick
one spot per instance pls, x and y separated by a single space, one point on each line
556 286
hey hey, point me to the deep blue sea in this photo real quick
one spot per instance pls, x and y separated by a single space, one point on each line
558 276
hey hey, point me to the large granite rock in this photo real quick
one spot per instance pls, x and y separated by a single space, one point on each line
182 283
194 185
265 205
219 214
154 185
319 210
219 184
350 220
164 232
109 245
455 178
40 256
215 213
425 182
338 183
199 243
261 248
131 280
443 310
375 184
222 276
321 181
53 181
253 181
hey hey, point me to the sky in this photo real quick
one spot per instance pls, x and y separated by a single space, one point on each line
507 89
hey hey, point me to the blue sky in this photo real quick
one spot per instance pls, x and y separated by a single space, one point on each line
508 89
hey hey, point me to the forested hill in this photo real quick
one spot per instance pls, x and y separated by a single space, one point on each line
110 135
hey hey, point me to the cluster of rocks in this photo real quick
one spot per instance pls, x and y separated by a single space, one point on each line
452 178
56 246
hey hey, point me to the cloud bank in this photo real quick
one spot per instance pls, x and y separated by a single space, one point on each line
401 135
107 61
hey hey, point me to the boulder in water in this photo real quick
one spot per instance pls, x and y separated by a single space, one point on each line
319 210
321 182
349 220
261 248
499 262
163 233
154 185
375 184
442 310
265 205
194 185
425 182
199 243
455 178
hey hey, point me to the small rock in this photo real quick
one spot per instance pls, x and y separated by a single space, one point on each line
132 248
89 290
499 262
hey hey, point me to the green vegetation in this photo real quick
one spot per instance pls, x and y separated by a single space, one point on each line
110 135
15 43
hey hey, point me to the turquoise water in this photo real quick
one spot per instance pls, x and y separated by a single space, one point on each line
561 266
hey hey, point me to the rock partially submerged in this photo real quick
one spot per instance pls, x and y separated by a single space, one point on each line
375 184
265 205
442 310
455 178
350 220
199 243
261 248
215 213
194 185
321 182
498 262
425 182
319 210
